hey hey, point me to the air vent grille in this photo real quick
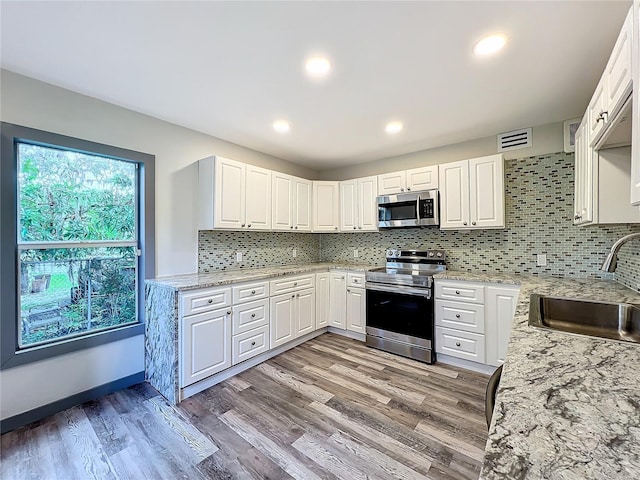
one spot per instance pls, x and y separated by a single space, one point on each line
514 140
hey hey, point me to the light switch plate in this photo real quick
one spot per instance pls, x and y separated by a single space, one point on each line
238 257
294 253
355 253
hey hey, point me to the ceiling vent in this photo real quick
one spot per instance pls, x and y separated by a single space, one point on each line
514 140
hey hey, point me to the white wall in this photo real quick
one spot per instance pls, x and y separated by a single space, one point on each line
35 104
545 139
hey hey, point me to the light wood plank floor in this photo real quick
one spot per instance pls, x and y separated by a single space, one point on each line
330 408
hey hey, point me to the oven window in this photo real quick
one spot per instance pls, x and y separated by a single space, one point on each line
400 313
397 211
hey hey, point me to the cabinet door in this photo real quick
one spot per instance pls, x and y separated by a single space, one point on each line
355 309
392 183
258 198
302 205
348 205
635 127
367 209
584 167
338 300
229 193
424 178
322 300
500 307
618 71
597 106
326 206
206 345
282 208
282 323
454 195
486 186
305 312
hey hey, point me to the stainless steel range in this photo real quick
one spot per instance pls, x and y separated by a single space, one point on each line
400 303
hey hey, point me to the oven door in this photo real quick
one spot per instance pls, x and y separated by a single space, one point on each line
401 313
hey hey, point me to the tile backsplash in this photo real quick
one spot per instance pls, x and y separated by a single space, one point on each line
217 249
539 211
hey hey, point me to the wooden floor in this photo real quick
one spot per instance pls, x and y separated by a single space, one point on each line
330 408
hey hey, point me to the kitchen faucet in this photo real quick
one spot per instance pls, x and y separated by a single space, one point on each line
610 263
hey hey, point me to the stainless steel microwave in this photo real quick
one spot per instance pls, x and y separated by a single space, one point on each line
414 209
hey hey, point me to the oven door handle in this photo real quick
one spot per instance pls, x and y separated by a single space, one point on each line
400 289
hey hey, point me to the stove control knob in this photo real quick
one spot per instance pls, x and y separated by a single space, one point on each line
439 255
431 254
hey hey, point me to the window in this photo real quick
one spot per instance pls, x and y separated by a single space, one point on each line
76 218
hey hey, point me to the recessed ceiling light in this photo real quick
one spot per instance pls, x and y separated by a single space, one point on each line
318 66
281 126
490 44
393 127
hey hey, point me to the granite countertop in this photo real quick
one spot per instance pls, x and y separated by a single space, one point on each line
568 406
194 281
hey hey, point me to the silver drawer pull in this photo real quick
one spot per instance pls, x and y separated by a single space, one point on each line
293 296
228 312
253 344
210 301
253 315
457 344
253 292
295 284
457 315
457 292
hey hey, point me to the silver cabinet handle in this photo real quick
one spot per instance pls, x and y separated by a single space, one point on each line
298 295
464 223
348 290
253 292
402 189
253 344
291 227
336 228
242 225
602 117
457 292
210 301
253 315
228 312
457 344
360 227
354 227
408 189
295 284
296 227
249 226
473 223
341 278
457 315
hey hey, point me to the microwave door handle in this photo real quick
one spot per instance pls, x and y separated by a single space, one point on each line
418 209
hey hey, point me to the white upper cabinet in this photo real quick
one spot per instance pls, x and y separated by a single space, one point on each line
583 193
472 193
615 84
326 206
358 205
423 178
291 203
635 133
233 195
415 179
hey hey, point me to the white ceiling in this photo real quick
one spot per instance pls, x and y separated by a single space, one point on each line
230 69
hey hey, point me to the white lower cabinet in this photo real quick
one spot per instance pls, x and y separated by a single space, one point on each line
206 345
355 317
249 344
322 300
473 320
292 315
338 300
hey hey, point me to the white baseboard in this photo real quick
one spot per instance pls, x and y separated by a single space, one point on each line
462 363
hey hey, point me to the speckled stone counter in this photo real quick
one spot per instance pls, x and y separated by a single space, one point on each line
568 406
161 313
194 281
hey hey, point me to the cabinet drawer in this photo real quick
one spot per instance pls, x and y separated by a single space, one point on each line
457 343
250 292
288 284
205 300
460 315
355 280
250 315
467 292
249 344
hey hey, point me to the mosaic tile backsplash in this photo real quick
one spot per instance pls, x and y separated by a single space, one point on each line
217 250
539 212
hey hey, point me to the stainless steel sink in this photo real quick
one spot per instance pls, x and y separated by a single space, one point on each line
614 321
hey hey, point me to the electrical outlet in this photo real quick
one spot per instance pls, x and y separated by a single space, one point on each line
294 253
542 259
238 257
355 253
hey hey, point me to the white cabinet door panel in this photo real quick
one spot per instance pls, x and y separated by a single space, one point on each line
367 209
302 205
282 328
206 346
500 308
250 343
250 315
229 193
306 312
392 183
454 195
322 300
326 206
337 300
486 183
348 206
424 178
356 318
258 198
282 208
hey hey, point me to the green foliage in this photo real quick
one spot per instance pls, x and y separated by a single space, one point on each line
70 196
